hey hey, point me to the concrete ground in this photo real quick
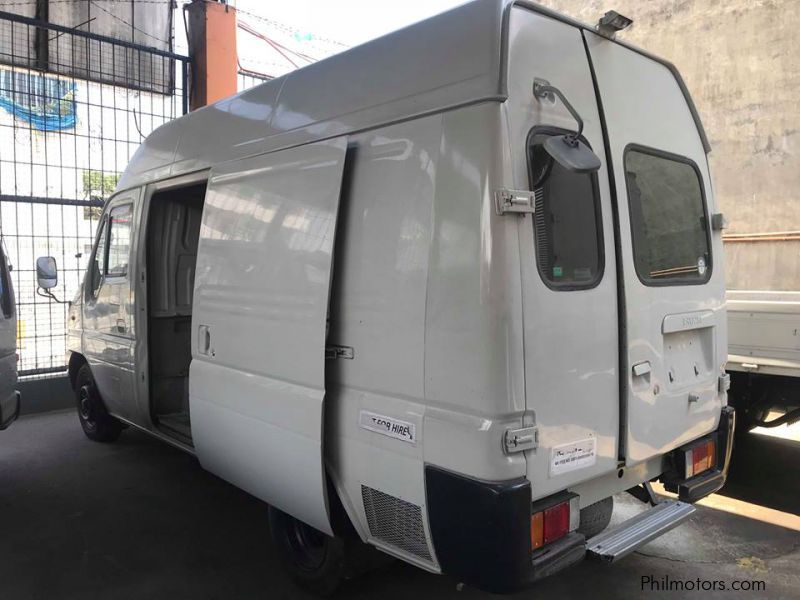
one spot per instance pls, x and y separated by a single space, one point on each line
140 520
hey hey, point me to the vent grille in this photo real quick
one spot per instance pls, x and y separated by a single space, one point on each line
395 522
544 247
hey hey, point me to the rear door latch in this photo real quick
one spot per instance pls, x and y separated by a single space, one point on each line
514 201
519 440
332 352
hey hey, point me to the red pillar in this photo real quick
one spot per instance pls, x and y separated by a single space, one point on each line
212 46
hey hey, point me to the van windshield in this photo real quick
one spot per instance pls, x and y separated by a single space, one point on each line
668 218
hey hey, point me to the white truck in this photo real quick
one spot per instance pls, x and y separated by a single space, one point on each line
9 396
444 294
764 356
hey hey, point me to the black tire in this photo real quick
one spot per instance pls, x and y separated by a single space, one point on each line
97 424
315 561
596 517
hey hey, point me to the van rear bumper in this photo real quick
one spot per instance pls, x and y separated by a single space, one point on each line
481 533
695 488
9 410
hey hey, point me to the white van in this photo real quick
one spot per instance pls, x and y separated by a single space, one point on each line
9 396
445 293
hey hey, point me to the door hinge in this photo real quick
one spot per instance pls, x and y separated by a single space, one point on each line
332 352
514 201
519 440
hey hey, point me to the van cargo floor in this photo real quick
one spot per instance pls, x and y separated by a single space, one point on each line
177 425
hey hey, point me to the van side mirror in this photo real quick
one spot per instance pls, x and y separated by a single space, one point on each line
46 272
567 150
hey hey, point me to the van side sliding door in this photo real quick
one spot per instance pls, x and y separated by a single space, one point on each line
257 378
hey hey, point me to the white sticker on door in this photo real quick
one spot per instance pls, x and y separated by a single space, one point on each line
394 428
572 456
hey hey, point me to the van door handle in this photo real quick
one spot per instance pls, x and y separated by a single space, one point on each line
204 340
121 326
641 369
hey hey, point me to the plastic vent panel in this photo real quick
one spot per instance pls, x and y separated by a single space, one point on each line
395 522
544 247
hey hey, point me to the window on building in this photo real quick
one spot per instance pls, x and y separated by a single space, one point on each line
669 223
567 223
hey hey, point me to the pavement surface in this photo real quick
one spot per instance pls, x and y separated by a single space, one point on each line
139 520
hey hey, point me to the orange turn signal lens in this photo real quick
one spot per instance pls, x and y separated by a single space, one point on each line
701 458
537 531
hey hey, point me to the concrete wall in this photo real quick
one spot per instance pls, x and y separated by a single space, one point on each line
741 62
42 395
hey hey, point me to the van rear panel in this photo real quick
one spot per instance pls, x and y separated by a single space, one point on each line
625 329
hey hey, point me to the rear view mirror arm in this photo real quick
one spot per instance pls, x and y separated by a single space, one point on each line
48 294
542 90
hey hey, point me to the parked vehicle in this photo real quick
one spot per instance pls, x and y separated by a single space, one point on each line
9 396
764 357
445 293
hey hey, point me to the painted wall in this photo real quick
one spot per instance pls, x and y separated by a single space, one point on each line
741 62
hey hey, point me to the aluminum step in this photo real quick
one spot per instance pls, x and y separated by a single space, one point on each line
612 545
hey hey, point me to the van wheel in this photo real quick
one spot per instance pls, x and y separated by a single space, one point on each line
315 561
97 424
596 517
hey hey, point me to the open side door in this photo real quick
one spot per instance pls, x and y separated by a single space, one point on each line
257 378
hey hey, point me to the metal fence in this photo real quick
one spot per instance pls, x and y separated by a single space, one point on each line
247 79
74 106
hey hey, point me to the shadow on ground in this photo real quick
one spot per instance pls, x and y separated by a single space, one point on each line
765 470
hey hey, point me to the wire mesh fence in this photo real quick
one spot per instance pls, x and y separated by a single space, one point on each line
74 106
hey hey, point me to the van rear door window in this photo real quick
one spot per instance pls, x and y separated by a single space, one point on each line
669 223
569 239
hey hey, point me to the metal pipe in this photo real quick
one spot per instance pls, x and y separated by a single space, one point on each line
774 236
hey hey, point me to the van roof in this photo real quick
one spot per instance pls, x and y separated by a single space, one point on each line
450 60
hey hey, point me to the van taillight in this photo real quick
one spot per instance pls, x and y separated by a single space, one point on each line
700 458
549 525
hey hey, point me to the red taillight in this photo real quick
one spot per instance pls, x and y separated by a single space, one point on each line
549 525
701 458
556 522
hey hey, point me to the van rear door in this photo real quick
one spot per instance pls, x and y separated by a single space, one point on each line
257 377
569 285
672 264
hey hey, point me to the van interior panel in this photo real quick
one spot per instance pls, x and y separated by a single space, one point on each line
173 234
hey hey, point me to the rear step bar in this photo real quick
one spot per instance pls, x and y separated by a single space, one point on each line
612 545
